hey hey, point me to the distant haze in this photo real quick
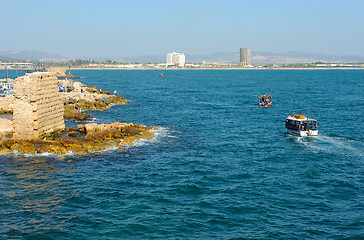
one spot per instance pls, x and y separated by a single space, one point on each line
217 57
123 29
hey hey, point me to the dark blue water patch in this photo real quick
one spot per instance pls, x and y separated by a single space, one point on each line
219 168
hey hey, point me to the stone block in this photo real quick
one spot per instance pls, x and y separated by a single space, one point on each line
38 108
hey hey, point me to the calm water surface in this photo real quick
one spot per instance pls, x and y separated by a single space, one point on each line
219 167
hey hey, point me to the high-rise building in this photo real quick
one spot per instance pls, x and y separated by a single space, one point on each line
176 58
244 56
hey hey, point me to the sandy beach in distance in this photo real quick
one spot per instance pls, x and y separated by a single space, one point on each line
276 68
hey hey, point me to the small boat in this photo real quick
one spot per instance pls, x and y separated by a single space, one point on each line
161 75
265 100
301 125
6 88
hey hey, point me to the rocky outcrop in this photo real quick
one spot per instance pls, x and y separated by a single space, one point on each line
76 102
73 113
85 139
59 72
39 110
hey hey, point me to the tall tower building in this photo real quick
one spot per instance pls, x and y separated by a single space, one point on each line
244 56
176 58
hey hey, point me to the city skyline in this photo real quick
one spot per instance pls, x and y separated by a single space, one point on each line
87 29
256 57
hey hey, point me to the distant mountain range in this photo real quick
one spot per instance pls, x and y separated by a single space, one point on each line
30 56
257 57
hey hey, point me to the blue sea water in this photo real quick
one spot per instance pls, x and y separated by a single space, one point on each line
219 166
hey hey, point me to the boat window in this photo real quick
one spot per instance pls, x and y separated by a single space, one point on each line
292 123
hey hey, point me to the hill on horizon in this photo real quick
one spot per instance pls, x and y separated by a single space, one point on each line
30 56
258 57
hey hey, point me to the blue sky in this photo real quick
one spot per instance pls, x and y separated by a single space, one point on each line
107 28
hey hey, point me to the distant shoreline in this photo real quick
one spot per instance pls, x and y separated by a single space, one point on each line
217 68
162 69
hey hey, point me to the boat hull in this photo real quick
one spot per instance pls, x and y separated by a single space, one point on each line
265 104
303 133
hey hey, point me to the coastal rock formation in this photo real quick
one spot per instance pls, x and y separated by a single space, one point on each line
76 102
87 138
39 109
61 72
73 113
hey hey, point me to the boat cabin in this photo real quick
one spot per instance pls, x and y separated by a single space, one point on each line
301 125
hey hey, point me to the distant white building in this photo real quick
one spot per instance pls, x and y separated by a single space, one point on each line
176 58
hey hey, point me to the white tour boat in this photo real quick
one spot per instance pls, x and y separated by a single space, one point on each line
301 125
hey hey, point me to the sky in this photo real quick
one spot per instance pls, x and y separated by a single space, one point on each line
120 28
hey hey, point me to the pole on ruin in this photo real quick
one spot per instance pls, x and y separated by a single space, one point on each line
6 67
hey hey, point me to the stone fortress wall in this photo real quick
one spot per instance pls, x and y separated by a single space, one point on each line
38 108
6 104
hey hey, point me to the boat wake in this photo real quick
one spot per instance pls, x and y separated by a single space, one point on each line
336 145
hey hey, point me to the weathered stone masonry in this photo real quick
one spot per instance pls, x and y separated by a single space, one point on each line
38 107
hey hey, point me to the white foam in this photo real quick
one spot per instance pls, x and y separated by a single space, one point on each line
68 154
158 134
45 154
344 144
338 145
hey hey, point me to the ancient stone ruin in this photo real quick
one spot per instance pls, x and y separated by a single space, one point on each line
38 108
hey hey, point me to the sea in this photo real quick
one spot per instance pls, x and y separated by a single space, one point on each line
218 167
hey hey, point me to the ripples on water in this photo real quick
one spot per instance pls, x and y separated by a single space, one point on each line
218 168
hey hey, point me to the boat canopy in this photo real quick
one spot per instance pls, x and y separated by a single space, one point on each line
267 96
299 122
300 118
